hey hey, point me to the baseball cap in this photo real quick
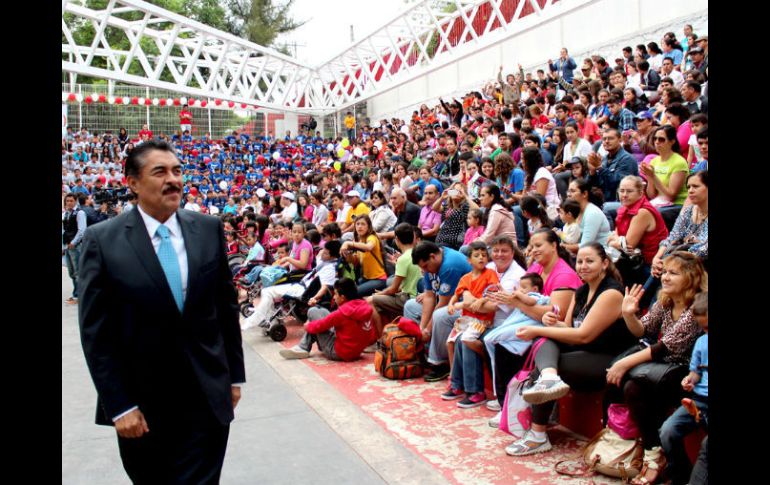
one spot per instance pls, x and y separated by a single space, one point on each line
288 195
644 115
353 193
578 160
695 50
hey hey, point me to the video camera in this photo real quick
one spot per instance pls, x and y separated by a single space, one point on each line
110 196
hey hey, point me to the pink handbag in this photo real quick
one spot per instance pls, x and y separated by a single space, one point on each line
516 417
620 421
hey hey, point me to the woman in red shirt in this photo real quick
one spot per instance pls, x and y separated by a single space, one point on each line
638 225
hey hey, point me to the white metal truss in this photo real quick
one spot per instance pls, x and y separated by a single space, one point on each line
172 52
168 51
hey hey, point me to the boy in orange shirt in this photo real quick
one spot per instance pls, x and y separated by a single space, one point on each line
472 324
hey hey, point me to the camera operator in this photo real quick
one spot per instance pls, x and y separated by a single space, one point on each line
130 202
94 215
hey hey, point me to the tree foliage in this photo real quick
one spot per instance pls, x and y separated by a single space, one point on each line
260 21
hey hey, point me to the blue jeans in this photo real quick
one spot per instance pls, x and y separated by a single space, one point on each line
520 223
562 183
610 210
467 368
442 326
367 287
351 134
700 472
252 275
72 258
672 435
669 215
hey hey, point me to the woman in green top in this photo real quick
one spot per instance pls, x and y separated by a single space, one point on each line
666 175
667 172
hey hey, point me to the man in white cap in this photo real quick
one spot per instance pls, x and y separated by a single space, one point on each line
357 208
289 211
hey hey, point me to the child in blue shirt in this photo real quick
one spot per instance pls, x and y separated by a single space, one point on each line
530 286
694 410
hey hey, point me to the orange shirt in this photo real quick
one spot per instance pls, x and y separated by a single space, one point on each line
477 287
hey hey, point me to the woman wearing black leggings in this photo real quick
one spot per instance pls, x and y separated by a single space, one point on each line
579 349
649 380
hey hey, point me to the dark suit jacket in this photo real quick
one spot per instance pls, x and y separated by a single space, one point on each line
139 348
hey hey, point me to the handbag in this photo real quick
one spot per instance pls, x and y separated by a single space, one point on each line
516 417
631 264
608 454
619 420
654 372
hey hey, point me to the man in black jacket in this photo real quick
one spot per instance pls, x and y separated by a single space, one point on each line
159 328
405 212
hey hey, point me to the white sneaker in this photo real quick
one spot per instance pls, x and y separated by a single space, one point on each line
544 390
526 445
493 405
295 352
494 422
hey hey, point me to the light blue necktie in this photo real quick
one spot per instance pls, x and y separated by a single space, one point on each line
170 265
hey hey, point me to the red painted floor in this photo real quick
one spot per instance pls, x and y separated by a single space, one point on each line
457 442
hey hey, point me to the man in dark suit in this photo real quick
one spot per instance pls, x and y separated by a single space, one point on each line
159 328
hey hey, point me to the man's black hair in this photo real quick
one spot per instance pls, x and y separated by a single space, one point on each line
334 248
476 246
466 156
332 229
136 159
346 288
404 232
423 250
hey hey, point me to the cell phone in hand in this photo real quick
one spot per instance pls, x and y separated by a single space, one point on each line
556 310
452 192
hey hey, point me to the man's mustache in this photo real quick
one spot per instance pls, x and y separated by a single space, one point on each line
172 189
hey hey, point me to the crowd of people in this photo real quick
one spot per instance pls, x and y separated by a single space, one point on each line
559 206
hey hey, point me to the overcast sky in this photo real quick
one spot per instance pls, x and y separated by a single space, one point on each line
327 31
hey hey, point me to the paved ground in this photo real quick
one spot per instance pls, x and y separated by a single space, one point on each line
290 426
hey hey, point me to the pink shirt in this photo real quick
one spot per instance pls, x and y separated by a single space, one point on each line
562 276
472 234
429 218
683 134
296 250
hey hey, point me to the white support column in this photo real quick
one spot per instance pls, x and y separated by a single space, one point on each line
208 111
80 109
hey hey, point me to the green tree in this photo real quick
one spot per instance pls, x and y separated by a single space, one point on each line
260 21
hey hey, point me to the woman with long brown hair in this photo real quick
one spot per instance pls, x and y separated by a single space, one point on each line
369 256
579 346
648 377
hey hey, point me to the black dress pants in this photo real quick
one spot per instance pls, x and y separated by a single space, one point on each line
177 452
